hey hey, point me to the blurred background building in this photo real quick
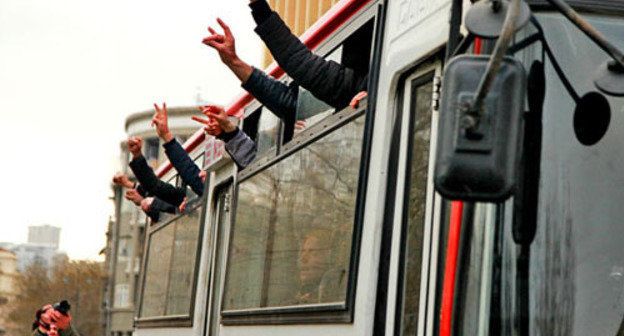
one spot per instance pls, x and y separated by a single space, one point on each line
126 229
42 247
44 235
8 272
299 15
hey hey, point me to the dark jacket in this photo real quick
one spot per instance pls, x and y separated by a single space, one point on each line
240 147
159 206
328 81
181 161
154 186
278 97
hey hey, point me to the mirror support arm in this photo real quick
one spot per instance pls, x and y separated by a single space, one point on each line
590 31
500 50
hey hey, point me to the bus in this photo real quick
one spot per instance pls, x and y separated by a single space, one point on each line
340 227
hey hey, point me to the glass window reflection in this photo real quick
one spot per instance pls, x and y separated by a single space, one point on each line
294 221
170 267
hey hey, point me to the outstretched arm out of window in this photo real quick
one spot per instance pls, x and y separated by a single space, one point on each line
188 170
327 80
154 186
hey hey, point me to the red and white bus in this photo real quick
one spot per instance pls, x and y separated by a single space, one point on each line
338 229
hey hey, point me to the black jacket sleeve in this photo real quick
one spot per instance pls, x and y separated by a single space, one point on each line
278 97
162 206
140 190
153 185
181 161
327 80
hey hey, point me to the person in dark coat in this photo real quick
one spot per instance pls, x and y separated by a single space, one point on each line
179 158
152 206
148 179
329 81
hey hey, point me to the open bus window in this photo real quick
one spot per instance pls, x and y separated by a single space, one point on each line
170 268
264 128
268 132
291 243
354 53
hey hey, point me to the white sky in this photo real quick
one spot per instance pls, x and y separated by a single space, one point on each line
70 72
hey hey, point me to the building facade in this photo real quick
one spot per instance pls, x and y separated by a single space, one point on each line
44 235
8 272
42 247
126 229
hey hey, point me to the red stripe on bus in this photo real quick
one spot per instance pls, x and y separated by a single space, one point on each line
448 291
320 31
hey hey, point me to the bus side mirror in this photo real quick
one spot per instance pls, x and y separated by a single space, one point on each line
479 162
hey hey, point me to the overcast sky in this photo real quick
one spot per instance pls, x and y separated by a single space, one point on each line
70 72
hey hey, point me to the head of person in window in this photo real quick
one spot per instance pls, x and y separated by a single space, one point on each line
321 279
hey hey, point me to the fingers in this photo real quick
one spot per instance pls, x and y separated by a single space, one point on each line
225 27
212 109
212 31
165 113
355 102
201 120
215 42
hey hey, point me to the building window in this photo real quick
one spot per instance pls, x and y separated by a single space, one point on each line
122 295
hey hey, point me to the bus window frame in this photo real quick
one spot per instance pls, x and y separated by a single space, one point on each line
316 313
185 320
225 186
420 78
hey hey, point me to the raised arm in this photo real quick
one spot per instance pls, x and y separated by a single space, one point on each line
240 147
181 161
148 180
278 97
327 80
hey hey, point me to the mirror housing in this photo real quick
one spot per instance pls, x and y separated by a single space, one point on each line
479 163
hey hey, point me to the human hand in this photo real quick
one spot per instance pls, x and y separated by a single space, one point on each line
122 180
300 126
146 204
134 146
224 44
217 121
202 175
60 320
183 205
211 127
217 113
162 123
355 102
134 196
